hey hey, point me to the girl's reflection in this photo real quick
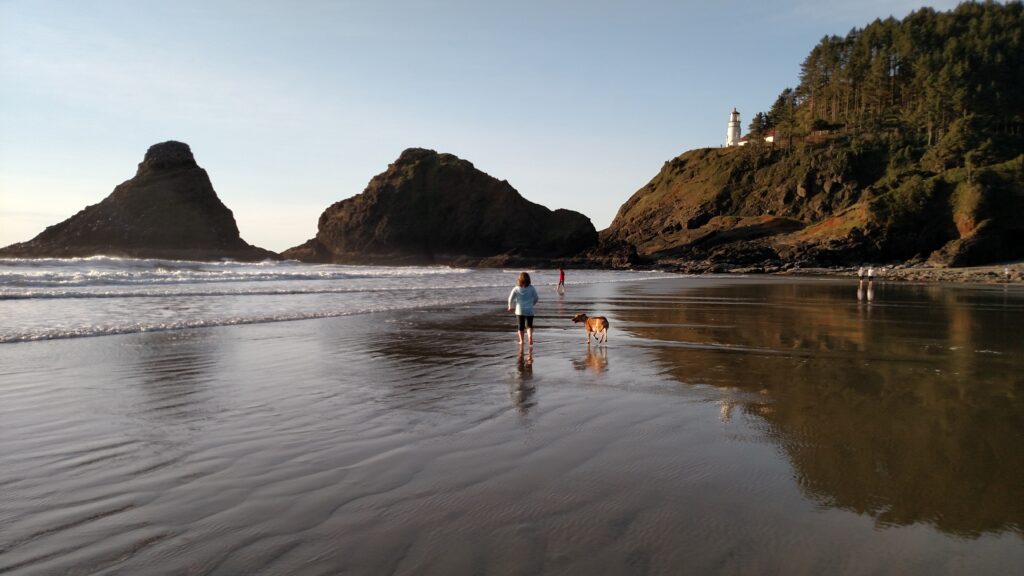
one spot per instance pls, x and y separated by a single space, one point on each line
522 388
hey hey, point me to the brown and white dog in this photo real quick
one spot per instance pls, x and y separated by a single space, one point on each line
598 325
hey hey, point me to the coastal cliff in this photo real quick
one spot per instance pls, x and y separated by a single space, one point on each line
433 208
903 142
822 205
168 210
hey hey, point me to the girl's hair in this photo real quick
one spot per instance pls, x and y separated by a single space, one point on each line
524 280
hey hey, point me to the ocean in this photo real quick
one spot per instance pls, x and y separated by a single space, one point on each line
42 299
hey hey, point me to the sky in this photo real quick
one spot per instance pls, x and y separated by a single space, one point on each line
291 106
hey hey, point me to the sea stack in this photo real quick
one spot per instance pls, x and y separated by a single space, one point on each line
433 208
168 210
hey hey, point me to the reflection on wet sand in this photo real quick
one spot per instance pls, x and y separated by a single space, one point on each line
595 360
753 428
176 370
912 415
522 388
869 291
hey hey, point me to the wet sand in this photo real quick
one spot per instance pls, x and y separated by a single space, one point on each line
731 425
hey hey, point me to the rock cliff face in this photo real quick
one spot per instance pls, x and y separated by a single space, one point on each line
431 208
820 205
168 210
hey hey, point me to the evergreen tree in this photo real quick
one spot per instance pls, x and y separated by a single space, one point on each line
758 125
912 79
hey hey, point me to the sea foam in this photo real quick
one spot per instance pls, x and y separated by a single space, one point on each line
78 297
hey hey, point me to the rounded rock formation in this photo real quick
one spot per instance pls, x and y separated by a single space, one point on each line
431 208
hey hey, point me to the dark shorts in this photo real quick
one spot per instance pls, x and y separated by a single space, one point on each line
524 322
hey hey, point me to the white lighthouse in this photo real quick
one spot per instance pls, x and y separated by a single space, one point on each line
732 136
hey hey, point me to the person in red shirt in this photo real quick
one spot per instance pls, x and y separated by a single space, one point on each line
561 281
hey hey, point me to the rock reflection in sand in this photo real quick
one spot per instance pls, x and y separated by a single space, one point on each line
175 387
900 415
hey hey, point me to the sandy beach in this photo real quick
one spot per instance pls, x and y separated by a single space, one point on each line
731 425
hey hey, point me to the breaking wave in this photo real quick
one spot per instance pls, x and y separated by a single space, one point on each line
43 299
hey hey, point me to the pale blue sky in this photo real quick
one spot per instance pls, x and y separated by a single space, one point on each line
291 106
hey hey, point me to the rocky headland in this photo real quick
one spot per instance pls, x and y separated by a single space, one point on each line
820 205
169 210
902 144
434 208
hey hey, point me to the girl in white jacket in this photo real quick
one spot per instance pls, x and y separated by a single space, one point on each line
525 296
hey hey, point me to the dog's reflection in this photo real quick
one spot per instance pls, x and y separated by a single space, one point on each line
596 359
522 388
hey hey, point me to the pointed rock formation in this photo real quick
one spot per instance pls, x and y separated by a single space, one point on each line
431 208
168 210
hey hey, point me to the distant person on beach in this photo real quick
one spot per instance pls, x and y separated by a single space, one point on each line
525 296
871 273
561 281
860 273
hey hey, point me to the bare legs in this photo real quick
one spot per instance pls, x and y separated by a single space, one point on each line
529 337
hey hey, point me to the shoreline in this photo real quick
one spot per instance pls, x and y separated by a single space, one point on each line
906 272
987 274
903 272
